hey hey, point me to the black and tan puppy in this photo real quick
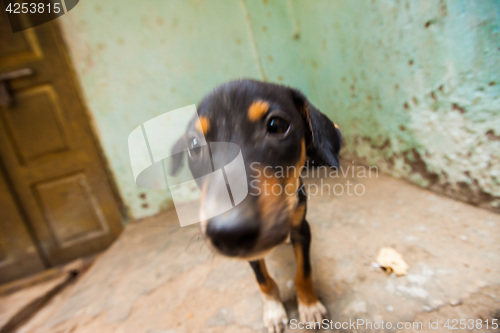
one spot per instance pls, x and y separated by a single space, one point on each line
276 128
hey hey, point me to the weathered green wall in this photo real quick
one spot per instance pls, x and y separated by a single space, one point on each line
414 85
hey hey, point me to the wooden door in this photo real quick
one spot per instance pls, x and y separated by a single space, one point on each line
18 253
54 176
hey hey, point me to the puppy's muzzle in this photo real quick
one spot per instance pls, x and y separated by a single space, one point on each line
235 232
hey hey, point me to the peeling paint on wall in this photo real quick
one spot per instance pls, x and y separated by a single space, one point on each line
414 86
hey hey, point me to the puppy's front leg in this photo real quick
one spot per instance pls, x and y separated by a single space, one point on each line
310 308
275 318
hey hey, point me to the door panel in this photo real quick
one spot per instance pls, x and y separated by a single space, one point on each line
49 151
18 47
70 198
40 103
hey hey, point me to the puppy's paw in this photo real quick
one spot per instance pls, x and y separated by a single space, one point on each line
315 312
275 317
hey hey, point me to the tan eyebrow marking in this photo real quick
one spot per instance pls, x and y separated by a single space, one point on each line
257 110
203 125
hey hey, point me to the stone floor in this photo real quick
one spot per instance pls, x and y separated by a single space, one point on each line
13 303
160 278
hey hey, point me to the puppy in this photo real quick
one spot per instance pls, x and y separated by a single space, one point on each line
276 128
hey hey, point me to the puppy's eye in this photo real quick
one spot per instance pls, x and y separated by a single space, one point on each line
194 150
277 125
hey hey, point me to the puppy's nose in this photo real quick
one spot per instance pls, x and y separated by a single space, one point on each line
232 235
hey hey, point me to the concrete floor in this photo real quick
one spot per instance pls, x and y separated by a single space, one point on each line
160 278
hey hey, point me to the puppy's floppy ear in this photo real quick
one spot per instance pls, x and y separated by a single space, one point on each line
178 151
323 137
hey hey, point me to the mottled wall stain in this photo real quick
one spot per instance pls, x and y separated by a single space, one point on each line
414 86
